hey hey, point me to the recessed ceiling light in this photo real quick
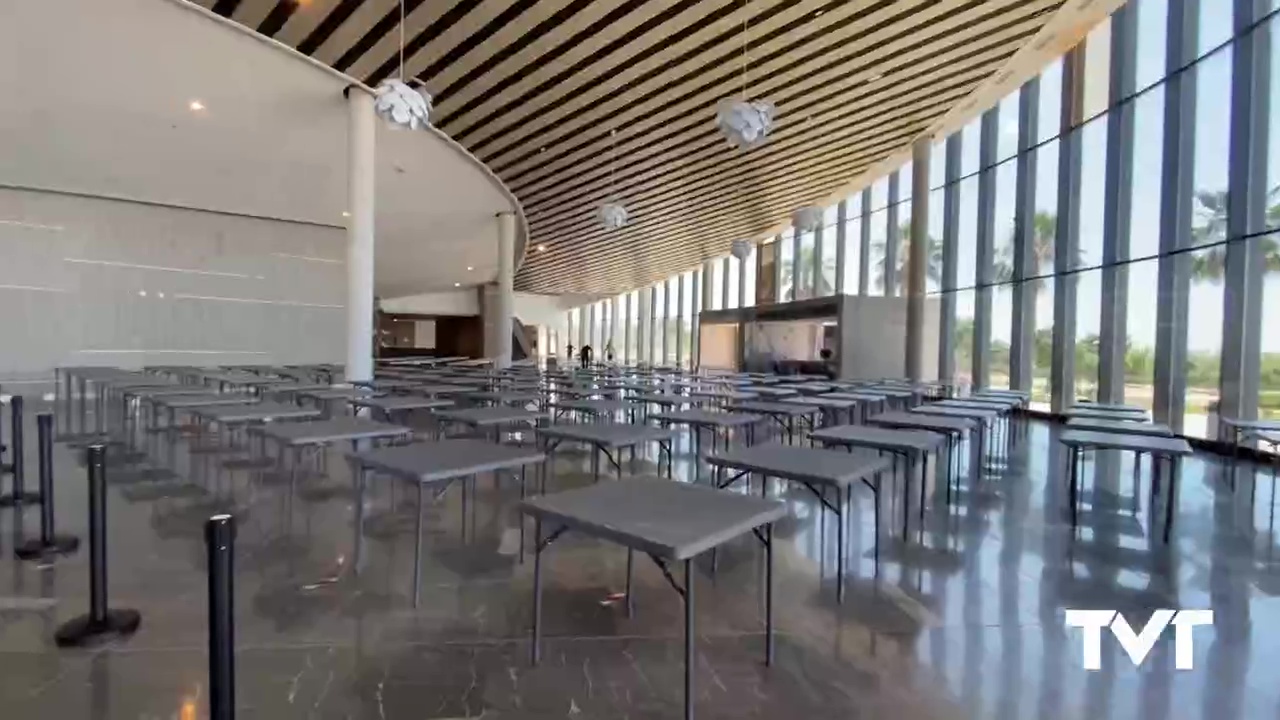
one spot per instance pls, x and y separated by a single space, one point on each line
816 13
142 293
542 248
457 284
160 295
875 76
542 149
469 268
346 214
196 105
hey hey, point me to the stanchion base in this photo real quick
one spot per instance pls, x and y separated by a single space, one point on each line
84 632
38 550
22 498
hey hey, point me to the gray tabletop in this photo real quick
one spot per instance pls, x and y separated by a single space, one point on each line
610 435
510 397
339 393
1119 426
981 413
879 438
1126 441
894 392
1264 425
257 412
923 421
445 389
707 418
666 399
723 394
1122 415
149 393
401 402
770 391
1019 394
447 459
1111 407
332 430
773 408
179 402
498 415
666 519
857 397
1002 405
595 407
822 401
381 384
792 462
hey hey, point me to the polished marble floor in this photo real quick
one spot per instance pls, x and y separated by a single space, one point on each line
963 621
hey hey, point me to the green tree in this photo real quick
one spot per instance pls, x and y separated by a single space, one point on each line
933 260
1210 227
822 287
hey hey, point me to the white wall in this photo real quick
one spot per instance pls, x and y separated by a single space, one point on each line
464 302
219 289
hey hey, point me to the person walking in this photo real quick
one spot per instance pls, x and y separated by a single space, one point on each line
584 356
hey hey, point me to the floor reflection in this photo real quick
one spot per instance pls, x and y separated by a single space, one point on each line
963 619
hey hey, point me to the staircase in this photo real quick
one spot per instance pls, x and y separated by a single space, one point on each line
521 342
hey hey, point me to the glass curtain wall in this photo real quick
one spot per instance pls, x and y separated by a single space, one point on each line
1084 231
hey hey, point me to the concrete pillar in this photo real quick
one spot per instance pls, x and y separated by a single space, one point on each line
360 204
917 252
499 307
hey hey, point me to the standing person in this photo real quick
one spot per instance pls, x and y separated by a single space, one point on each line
584 356
608 351
570 349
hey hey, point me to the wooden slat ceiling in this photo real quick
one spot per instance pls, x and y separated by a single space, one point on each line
535 88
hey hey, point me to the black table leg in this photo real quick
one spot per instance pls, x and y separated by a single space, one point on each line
1071 487
359 472
536 649
688 639
839 508
924 482
631 607
768 595
595 463
417 548
519 515
1174 465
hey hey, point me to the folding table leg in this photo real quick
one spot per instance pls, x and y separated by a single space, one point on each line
1171 501
417 550
631 607
536 648
688 639
768 595
839 508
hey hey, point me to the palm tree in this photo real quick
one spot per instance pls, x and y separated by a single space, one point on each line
821 288
1211 228
933 259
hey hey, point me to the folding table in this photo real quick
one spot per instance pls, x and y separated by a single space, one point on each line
671 523
911 445
436 463
815 468
1172 449
604 438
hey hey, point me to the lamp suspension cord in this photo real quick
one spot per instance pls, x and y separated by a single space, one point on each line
613 163
401 40
744 49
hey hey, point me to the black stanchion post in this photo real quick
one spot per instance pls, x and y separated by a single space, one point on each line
17 467
219 541
49 542
102 624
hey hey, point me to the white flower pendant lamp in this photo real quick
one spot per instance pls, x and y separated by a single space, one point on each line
740 249
745 123
807 218
612 214
397 102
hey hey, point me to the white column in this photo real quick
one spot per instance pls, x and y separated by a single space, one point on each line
505 304
917 252
360 204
